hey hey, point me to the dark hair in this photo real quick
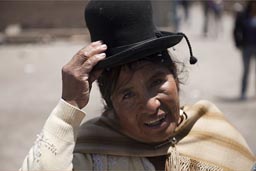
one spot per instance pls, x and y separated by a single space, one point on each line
108 79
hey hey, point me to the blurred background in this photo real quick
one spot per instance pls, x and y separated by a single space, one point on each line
38 37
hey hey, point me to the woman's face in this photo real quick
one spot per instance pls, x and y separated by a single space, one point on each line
146 102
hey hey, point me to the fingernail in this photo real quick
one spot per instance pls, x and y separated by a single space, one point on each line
99 42
102 55
104 46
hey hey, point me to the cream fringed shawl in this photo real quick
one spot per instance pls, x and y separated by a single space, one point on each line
204 141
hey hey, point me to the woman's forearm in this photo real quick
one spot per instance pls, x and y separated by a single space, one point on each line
53 149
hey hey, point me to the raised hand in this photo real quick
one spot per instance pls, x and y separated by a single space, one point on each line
78 76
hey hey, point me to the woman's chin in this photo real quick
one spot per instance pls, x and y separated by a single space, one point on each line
162 135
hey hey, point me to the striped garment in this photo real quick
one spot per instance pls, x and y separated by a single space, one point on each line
204 140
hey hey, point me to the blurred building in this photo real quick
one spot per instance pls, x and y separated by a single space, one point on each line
42 14
59 13
17 16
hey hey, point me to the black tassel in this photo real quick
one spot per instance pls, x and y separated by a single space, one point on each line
192 59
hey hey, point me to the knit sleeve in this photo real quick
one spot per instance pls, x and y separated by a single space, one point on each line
53 149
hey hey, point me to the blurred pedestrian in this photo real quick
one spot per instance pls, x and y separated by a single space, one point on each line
212 9
185 4
175 19
180 10
245 39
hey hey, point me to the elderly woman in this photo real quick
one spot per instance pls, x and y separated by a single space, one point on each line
143 126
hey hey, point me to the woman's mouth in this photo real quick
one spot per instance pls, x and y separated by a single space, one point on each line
156 122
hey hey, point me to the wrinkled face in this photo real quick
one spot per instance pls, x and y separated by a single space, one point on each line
146 102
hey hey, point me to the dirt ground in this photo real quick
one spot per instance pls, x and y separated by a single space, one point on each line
30 85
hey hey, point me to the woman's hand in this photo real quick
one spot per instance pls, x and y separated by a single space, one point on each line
77 74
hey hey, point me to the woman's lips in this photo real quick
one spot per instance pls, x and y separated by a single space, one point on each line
156 122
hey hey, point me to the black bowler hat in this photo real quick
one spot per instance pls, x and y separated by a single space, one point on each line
127 27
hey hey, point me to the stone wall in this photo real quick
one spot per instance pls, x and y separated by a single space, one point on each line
42 14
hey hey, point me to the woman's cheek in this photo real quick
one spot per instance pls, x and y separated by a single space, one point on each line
171 88
129 103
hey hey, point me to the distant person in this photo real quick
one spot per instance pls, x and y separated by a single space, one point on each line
245 40
212 8
178 6
205 17
185 4
175 18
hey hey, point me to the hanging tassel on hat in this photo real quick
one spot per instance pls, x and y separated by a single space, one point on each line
192 59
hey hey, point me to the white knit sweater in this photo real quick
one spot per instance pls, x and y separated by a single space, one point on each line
53 149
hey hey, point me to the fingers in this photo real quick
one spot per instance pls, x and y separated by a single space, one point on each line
77 74
95 48
94 53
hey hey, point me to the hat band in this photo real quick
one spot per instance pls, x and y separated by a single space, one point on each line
116 50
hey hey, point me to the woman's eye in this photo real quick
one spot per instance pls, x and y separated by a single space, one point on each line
157 82
127 95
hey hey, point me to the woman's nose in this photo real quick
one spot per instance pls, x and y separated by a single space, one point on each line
150 105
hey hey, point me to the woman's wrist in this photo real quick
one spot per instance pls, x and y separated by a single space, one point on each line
72 103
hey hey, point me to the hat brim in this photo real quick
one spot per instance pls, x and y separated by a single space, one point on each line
140 50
